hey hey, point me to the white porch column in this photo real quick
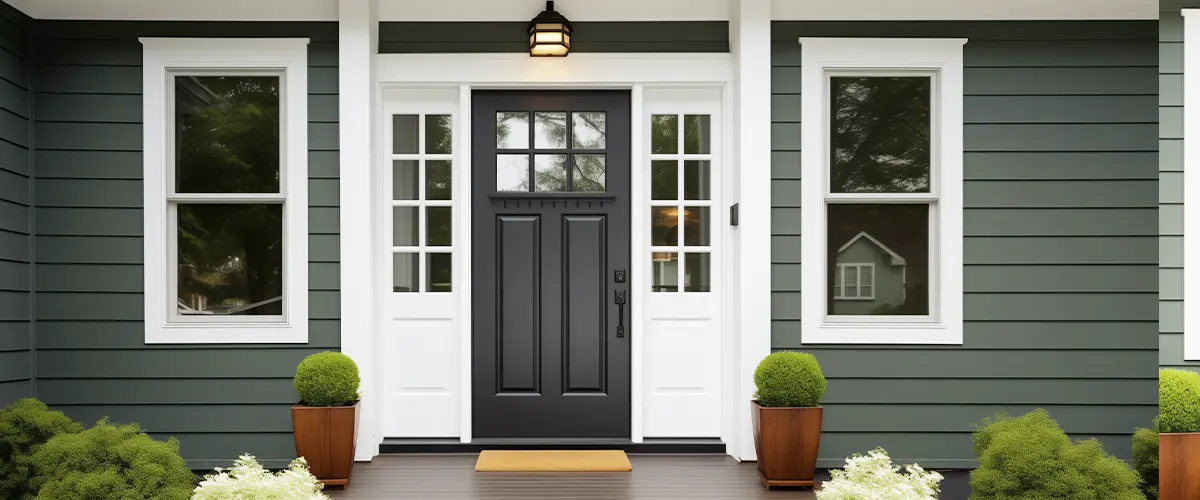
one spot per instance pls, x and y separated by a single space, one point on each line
357 45
750 43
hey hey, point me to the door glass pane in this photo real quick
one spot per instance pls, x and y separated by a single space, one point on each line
404 226
437 272
550 130
437 134
404 272
880 134
664 180
664 134
512 172
588 129
696 226
512 130
405 134
227 134
550 173
587 174
895 236
405 180
664 268
696 277
697 137
230 259
437 226
664 226
697 179
437 180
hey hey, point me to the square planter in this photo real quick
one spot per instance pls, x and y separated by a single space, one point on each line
1179 466
786 441
325 437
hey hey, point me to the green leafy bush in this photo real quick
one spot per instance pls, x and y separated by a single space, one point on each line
1178 401
1145 458
26 425
327 379
111 462
1031 458
789 379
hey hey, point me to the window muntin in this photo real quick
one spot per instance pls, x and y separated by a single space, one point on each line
681 231
422 203
567 153
225 202
854 282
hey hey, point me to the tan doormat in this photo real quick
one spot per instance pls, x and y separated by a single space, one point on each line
552 461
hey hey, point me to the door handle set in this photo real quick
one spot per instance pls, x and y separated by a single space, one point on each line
619 298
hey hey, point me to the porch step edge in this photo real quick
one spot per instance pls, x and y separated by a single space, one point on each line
452 445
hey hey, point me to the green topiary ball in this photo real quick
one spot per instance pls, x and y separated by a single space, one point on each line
1178 401
789 380
327 379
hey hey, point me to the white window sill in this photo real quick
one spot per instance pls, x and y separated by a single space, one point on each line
887 334
211 333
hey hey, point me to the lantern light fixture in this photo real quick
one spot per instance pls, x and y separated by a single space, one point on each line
549 34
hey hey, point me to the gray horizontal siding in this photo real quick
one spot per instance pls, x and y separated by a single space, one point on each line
1170 171
632 36
16 198
1061 275
92 361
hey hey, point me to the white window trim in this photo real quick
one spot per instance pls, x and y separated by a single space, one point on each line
1191 180
859 266
944 57
163 57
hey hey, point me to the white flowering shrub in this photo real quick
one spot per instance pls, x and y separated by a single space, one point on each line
873 477
248 480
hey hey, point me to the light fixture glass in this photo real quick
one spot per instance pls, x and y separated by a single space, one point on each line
549 34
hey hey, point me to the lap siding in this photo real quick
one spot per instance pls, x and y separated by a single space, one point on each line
16 200
1061 278
1170 328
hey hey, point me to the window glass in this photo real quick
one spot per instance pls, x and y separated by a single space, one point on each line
512 130
437 134
892 236
588 130
512 172
406 133
587 173
230 259
664 268
438 272
664 134
680 215
696 134
404 272
422 219
405 180
664 180
880 129
696 272
550 130
550 173
227 134
437 179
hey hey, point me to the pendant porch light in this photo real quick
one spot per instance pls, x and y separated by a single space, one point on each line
549 34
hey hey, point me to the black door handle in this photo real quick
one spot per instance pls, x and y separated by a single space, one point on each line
619 299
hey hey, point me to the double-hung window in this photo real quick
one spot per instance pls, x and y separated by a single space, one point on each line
225 172
882 156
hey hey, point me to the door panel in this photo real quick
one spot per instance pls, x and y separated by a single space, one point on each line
551 212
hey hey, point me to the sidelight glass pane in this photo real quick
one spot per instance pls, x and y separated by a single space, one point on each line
550 130
697 134
405 226
438 272
664 180
696 224
588 129
404 272
696 275
697 180
437 134
405 180
664 134
664 226
512 172
587 173
437 226
437 180
512 130
405 134
879 129
550 173
664 270
893 236
230 259
227 134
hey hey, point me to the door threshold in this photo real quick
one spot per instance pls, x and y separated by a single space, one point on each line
453 445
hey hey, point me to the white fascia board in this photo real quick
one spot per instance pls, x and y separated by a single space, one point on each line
185 10
575 10
961 10
520 70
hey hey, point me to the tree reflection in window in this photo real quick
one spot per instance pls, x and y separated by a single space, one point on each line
880 128
554 166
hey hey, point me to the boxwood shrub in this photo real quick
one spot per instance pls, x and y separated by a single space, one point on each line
327 379
26 425
1031 458
1178 401
1145 458
789 379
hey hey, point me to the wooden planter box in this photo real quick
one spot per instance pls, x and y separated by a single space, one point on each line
786 441
1179 466
325 436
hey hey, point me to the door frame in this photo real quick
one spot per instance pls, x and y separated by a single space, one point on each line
637 72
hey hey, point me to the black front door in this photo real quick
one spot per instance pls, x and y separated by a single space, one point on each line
550 250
